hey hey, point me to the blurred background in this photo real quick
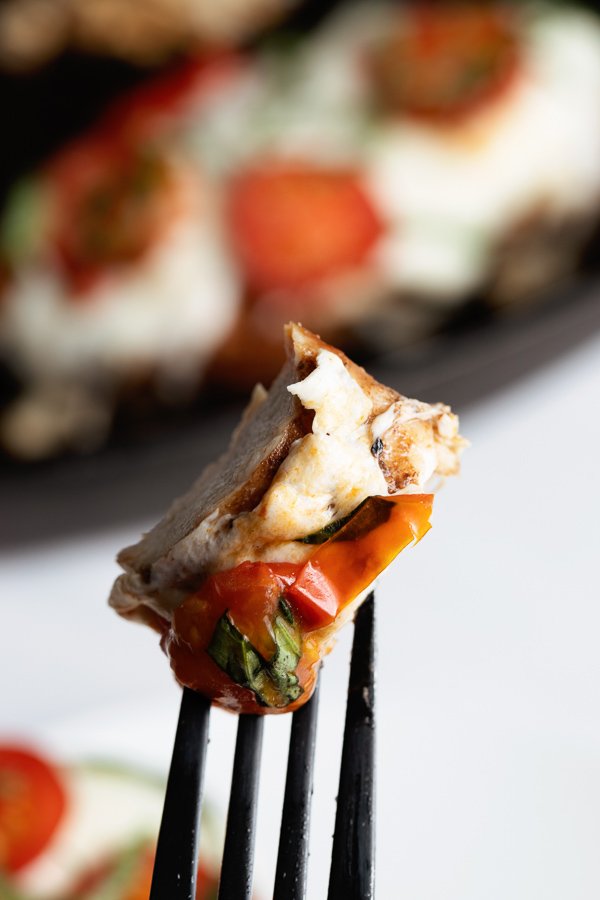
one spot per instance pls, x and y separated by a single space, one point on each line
419 183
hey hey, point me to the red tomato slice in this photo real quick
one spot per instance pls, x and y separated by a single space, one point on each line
446 59
314 596
115 191
294 224
32 803
113 203
351 560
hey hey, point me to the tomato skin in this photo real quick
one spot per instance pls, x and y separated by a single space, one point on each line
314 595
113 189
336 573
113 204
250 593
32 804
294 224
447 59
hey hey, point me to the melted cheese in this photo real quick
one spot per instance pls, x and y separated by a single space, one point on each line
452 191
326 475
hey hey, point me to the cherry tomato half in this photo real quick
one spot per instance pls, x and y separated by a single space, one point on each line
32 803
446 59
294 224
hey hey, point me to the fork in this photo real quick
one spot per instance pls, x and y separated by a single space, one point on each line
353 853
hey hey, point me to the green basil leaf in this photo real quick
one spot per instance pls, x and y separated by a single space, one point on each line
287 656
235 654
368 515
273 682
323 535
372 512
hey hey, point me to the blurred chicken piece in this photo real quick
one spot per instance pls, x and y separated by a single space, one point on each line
145 32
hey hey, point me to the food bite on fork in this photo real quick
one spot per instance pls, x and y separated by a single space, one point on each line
251 574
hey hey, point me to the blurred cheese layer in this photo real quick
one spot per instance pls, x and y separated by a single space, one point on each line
455 190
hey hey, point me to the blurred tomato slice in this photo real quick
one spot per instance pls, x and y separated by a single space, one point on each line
32 803
446 59
294 224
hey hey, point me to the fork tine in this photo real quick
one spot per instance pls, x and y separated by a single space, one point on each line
352 875
176 866
290 877
238 853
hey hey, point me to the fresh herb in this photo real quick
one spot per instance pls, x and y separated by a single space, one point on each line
319 537
372 512
274 682
283 664
368 515
377 446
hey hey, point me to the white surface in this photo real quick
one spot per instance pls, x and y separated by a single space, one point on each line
489 671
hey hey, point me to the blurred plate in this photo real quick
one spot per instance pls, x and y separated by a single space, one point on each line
150 459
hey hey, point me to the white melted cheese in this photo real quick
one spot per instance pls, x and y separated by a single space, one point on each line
329 472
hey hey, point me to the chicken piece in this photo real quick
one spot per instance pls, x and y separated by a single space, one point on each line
248 576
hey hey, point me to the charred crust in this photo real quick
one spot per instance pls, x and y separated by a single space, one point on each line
377 446
395 469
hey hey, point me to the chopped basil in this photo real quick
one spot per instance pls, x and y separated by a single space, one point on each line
319 537
369 514
286 610
287 656
372 512
274 682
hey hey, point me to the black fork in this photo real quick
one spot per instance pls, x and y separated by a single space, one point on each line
353 854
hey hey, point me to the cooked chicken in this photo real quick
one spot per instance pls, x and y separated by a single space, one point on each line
306 458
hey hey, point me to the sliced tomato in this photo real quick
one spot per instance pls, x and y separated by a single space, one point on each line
294 224
314 596
447 58
114 190
32 804
112 203
349 562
